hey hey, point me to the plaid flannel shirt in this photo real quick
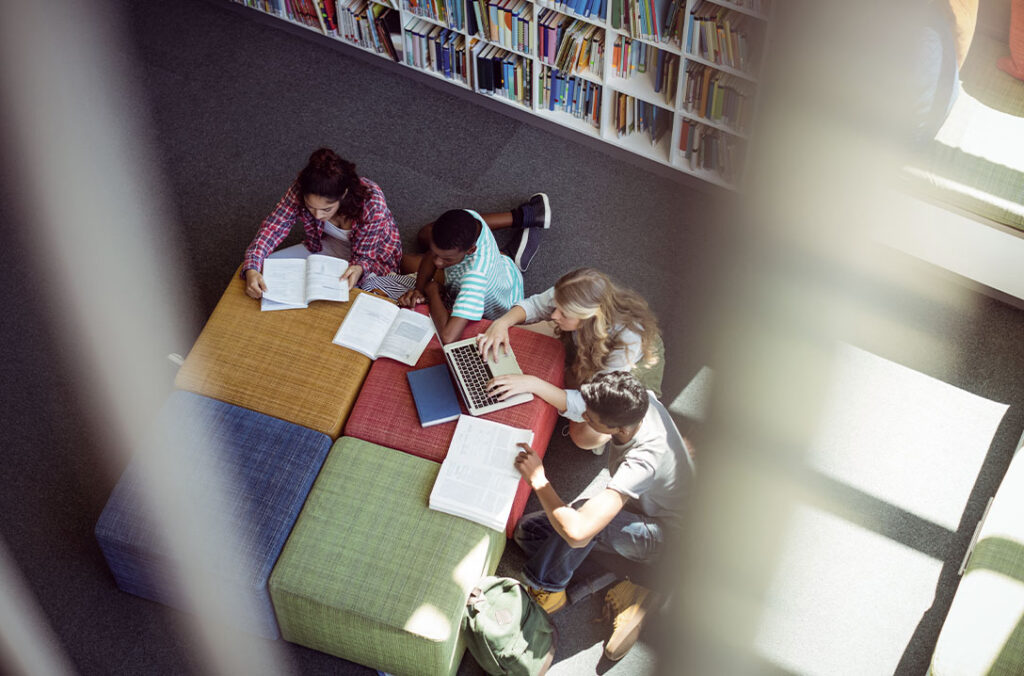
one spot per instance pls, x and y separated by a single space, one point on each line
376 245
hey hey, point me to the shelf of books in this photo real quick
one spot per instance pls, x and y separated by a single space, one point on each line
674 81
708 152
436 50
644 71
639 126
502 74
570 100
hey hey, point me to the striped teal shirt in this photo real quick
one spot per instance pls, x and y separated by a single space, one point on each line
485 284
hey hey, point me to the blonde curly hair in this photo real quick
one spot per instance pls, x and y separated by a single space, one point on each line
604 309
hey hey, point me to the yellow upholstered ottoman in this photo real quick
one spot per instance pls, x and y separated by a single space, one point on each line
282 363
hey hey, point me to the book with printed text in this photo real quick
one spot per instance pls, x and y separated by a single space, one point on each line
478 479
376 327
296 282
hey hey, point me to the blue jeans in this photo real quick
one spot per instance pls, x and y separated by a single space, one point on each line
551 562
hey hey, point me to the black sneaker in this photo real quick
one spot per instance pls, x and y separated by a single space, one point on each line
536 212
525 248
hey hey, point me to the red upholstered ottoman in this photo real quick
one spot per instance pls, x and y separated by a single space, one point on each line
385 414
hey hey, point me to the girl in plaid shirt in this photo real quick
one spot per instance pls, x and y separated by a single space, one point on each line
341 214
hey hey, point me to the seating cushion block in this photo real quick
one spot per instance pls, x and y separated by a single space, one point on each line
374 576
267 466
385 412
280 363
983 632
976 159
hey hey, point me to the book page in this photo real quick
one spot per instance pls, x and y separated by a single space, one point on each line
323 281
478 478
267 305
286 281
408 337
366 324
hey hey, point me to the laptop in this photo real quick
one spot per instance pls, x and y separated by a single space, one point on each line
471 373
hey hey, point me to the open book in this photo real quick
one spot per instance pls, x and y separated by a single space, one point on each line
295 282
478 477
378 328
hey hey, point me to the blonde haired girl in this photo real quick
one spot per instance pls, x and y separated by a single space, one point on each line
604 327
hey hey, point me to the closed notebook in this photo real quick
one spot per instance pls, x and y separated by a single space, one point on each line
434 395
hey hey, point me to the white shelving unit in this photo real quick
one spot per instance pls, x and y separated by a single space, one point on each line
702 127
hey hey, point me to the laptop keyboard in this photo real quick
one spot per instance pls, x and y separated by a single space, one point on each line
475 374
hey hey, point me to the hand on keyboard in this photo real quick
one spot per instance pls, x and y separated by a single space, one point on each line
475 374
503 387
494 340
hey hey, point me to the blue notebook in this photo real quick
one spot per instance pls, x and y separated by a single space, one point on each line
434 394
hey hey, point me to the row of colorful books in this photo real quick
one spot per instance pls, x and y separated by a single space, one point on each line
705 147
505 22
632 57
720 97
570 94
666 76
717 103
351 23
672 30
591 9
451 13
722 36
370 26
635 116
570 45
643 19
550 27
317 14
716 33
269 6
501 73
322 15
441 50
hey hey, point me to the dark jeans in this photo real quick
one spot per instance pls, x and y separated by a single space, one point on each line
551 562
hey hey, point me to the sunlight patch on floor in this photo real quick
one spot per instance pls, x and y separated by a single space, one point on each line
905 438
844 600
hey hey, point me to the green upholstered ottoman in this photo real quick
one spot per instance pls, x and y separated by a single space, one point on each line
371 574
976 159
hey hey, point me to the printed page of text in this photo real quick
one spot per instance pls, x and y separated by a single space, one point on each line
323 278
286 280
478 478
366 324
409 335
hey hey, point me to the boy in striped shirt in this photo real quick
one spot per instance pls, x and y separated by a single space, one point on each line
481 281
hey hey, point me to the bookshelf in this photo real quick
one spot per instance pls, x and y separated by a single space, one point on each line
674 81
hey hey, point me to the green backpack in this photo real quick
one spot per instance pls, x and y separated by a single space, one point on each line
506 630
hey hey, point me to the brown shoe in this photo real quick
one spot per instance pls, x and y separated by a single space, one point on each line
627 603
550 601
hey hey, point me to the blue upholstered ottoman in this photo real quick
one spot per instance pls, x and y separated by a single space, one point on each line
268 466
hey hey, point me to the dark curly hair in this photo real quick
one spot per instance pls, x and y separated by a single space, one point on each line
455 229
617 397
331 177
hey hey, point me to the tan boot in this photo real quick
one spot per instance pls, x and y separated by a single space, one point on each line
550 601
627 604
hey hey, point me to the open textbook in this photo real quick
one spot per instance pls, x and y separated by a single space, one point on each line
378 328
478 478
295 282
